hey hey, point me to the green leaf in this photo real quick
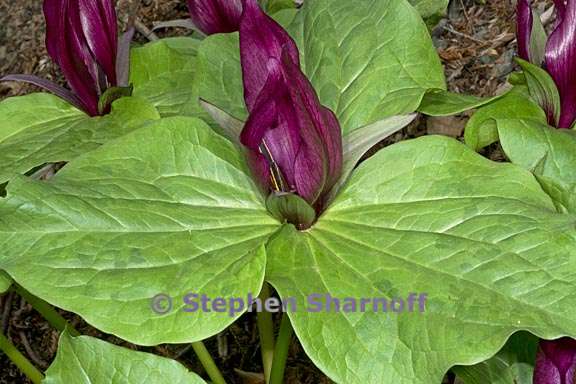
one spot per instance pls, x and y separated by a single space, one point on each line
542 88
87 360
358 142
367 60
514 364
481 130
438 102
274 6
538 40
230 127
428 216
221 82
170 209
547 152
164 72
40 128
428 8
5 282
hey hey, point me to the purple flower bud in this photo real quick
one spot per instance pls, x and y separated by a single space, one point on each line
556 362
560 60
216 16
295 143
524 22
82 38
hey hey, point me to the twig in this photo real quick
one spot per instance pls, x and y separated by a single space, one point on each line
6 312
144 30
31 353
452 30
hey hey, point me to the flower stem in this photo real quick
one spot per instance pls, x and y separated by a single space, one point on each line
46 310
20 360
208 363
266 332
281 350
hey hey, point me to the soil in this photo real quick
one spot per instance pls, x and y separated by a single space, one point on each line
476 42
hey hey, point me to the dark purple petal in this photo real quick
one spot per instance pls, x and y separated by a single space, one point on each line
556 362
298 138
261 39
216 16
264 116
524 22
561 63
99 26
272 124
560 8
318 125
67 47
260 170
48 85
54 13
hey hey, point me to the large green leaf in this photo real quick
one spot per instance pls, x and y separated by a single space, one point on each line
547 152
87 360
164 72
40 128
169 209
480 238
367 60
481 130
514 364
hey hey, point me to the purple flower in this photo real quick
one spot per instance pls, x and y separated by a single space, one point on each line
82 38
560 55
216 16
556 362
295 143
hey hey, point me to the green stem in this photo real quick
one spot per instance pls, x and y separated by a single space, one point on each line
46 310
281 350
266 332
208 363
20 360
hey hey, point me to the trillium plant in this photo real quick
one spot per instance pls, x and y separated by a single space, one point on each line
172 187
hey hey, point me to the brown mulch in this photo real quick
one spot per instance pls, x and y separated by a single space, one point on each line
476 43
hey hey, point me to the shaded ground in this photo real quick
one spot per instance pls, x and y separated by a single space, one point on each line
476 43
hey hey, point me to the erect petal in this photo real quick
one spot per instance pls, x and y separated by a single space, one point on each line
556 362
261 39
272 124
264 116
100 29
524 22
561 63
216 16
318 125
68 49
560 8
55 15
